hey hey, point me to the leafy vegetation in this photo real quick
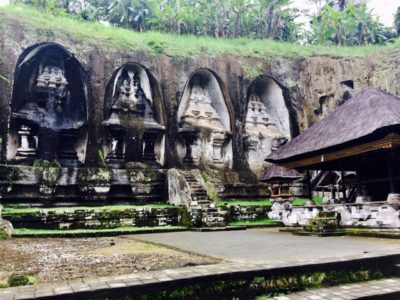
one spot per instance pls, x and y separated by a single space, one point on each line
21 279
226 18
260 287
340 24
303 201
106 37
354 25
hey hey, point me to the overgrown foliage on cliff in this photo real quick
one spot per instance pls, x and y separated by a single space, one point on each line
336 23
40 26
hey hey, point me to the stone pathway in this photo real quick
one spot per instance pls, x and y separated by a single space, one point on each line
385 289
96 287
268 245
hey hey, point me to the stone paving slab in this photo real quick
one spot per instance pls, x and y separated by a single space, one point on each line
141 280
385 289
268 245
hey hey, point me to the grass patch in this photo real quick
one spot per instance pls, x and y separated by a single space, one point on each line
24 232
12 210
264 203
303 201
257 223
98 35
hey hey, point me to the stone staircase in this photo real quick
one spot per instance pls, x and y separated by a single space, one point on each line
203 210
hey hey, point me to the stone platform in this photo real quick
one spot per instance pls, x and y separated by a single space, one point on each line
44 186
116 287
248 255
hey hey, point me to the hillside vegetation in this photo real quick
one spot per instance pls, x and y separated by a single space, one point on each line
113 38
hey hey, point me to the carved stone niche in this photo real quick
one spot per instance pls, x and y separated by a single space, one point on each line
49 107
204 123
267 122
133 118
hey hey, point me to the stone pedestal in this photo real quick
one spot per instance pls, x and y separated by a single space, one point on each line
148 153
149 140
363 199
190 136
116 157
67 153
218 142
393 199
27 149
48 144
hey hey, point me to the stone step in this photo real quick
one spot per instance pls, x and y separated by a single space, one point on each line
198 191
196 186
200 196
205 201
214 224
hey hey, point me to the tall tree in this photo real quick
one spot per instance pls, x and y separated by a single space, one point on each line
397 21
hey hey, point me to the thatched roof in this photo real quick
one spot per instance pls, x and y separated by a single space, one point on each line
369 113
280 174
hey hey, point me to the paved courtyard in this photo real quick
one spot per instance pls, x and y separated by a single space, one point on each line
269 245
257 251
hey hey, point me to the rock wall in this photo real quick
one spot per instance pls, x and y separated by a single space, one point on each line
312 87
96 218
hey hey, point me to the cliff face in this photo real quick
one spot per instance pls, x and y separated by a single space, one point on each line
312 87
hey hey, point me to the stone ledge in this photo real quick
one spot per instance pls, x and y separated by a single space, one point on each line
377 289
131 284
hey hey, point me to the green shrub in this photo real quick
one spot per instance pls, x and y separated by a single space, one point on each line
3 235
18 280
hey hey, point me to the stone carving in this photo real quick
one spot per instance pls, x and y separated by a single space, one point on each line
47 116
262 134
131 118
365 215
202 129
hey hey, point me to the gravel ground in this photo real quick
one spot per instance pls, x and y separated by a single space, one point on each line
52 259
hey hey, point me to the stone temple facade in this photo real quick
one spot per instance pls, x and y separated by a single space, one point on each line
64 146
95 124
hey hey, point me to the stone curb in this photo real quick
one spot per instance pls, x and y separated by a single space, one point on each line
132 283
376 289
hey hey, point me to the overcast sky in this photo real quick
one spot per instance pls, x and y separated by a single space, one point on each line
385 9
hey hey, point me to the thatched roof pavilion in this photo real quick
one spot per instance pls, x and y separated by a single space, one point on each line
280 178
278 174
361 135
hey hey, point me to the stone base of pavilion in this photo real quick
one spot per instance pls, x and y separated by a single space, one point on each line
370 215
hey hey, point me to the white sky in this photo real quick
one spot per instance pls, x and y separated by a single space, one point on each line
385 9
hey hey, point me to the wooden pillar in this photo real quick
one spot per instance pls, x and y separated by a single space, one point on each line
333 191
309 185
343 186
391 172
359 183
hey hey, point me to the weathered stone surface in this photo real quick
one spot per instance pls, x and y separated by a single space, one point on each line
304 81
366 214
6 227
178 189
296 92
96 218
